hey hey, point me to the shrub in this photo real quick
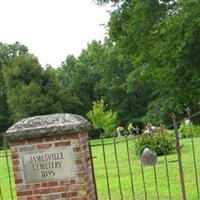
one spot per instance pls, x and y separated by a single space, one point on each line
188 130
161 145
102 118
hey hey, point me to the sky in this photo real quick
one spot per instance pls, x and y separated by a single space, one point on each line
52 29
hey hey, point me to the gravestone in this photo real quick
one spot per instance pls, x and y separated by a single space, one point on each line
51 158
149 157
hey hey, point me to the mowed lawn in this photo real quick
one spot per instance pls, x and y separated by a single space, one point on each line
191 189
125 175
7 186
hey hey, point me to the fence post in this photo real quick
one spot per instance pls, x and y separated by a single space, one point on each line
178 149
51 157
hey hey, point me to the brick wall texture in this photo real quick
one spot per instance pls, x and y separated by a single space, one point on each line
79 188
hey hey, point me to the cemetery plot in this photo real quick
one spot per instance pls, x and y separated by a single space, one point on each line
150 186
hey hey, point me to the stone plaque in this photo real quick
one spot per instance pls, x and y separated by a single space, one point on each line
50 164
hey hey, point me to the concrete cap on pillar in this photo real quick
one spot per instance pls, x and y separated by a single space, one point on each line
47 125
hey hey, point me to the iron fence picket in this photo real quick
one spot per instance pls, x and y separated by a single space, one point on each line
118 172
155 176
178 149
166 162
156 182
188 110
142 170
130 169
9 174
195 167
105 166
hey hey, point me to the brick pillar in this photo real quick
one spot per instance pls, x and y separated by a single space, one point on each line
51 158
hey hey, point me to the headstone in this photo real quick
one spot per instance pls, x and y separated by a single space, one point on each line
149 157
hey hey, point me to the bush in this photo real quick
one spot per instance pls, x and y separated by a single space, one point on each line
161 145
102 118
188 130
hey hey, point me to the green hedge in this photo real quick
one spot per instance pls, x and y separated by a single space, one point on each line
161 145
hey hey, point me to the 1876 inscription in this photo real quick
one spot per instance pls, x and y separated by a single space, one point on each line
43 165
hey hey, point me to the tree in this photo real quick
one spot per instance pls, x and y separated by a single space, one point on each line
80 76
127 84
21 77
32 90
7 53
127 97
175 61
102 118
159 40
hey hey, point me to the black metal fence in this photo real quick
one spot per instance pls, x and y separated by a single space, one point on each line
121 175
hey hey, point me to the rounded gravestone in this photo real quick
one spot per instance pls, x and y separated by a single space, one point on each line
47 125
149 157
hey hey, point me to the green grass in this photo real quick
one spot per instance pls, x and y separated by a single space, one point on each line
148 172
125 174
7 186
